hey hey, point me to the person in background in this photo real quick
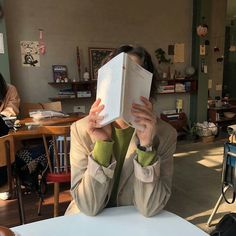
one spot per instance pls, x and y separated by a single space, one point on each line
9 99
3 170
116 165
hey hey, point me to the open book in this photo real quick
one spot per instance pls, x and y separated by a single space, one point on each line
121 82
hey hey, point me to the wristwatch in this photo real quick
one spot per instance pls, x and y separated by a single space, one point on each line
145 148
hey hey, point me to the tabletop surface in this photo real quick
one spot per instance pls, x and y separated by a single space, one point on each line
112 221
30 128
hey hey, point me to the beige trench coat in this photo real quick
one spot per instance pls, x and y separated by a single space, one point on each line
11 103
147 188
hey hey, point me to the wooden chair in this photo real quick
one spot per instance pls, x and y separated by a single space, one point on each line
55 106
59 167
26 107
7 158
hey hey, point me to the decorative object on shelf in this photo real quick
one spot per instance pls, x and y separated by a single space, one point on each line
86 75
161 56
202 29
42 46
96 58
60 74
179 105
78 62
30 53
189 71
229 114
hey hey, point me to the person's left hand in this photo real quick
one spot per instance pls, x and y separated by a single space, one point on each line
145 116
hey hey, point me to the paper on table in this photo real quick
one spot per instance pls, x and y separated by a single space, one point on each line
1 44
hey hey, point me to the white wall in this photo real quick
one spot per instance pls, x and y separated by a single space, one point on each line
91 23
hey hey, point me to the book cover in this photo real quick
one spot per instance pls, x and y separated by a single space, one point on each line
121 82
59 73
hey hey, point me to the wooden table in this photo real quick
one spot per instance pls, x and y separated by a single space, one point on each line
31 128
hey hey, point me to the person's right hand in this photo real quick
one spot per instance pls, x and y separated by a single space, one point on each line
96 132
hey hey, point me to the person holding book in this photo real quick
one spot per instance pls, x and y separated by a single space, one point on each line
9 99
117 165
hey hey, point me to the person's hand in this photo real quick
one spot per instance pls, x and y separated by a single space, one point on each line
96 132
145 117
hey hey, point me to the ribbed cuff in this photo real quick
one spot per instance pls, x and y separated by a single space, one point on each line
146 158
102 152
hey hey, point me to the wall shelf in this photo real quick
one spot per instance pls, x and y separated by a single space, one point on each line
73 88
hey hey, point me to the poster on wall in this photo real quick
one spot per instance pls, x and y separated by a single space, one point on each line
1 44
178 53
30 53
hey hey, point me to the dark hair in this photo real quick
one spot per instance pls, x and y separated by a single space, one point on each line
3 88
146 63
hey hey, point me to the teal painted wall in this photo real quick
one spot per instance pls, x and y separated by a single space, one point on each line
4 59
230 64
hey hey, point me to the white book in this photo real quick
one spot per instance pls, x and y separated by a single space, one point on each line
121 82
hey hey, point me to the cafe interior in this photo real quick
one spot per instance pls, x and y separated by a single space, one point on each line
50 52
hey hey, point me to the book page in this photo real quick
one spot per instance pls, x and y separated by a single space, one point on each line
109 88
137 83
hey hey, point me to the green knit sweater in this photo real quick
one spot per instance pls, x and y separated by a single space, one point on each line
119 145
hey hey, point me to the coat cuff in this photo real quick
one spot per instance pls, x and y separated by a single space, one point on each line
147 174
100 173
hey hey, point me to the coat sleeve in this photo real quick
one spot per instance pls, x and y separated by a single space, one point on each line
152 184
89 181
12 103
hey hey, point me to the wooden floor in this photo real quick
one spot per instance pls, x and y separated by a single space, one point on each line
9 215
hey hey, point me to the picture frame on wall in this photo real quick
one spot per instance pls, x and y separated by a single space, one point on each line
60 73
96 58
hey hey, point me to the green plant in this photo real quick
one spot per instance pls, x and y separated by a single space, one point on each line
161 56
191 129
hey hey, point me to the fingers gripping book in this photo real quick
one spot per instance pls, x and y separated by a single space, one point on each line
122 82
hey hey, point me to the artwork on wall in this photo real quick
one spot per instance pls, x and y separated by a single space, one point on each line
30 53
60 74
96 58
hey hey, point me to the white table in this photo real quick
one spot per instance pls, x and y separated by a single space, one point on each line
119 221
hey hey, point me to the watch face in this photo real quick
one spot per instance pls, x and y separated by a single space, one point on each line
145 149
141 148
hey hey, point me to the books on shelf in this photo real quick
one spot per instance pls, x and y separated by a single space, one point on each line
84 94
166 89
121 82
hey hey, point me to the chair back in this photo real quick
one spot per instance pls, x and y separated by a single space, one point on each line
55 106
60 145
7 157
27 107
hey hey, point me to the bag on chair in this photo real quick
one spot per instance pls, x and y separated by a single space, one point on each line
229 170
226 226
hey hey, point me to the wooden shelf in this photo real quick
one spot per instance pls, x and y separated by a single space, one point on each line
177 92
189 84
64 99
74 83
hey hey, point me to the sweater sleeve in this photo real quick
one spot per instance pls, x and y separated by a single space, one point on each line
102 152
146 158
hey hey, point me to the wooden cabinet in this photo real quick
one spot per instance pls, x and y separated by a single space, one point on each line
75 90
177 120
217 115
169 86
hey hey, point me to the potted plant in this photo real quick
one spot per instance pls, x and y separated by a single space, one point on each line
164 63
